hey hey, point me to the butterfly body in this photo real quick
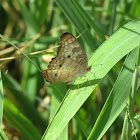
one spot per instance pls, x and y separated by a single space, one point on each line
70 62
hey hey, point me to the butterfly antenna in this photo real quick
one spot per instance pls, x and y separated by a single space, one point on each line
81 34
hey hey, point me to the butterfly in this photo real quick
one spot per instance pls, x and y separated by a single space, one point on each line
70 62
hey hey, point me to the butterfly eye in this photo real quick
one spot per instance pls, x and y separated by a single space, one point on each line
60 65
56 74
69 56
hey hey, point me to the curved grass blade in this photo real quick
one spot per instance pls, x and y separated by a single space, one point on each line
16 93
20 122
1 99
90 22
2 135
20 51
116 100
108 54
75 17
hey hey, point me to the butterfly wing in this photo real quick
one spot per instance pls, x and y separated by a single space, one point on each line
70 62
67 71
71 48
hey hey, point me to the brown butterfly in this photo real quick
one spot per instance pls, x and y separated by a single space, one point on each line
70 62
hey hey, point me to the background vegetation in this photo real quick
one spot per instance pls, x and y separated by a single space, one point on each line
28 104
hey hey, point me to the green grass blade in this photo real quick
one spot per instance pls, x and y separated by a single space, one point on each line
108 54
131 103
59 91
20 122
90 22
75 17
18 97
2 135
1 99
20 51
31 23
113 17
81 126
116 100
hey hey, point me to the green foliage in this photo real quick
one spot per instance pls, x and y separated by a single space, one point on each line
94 106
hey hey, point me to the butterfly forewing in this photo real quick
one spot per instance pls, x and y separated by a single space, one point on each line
70 62
70 47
